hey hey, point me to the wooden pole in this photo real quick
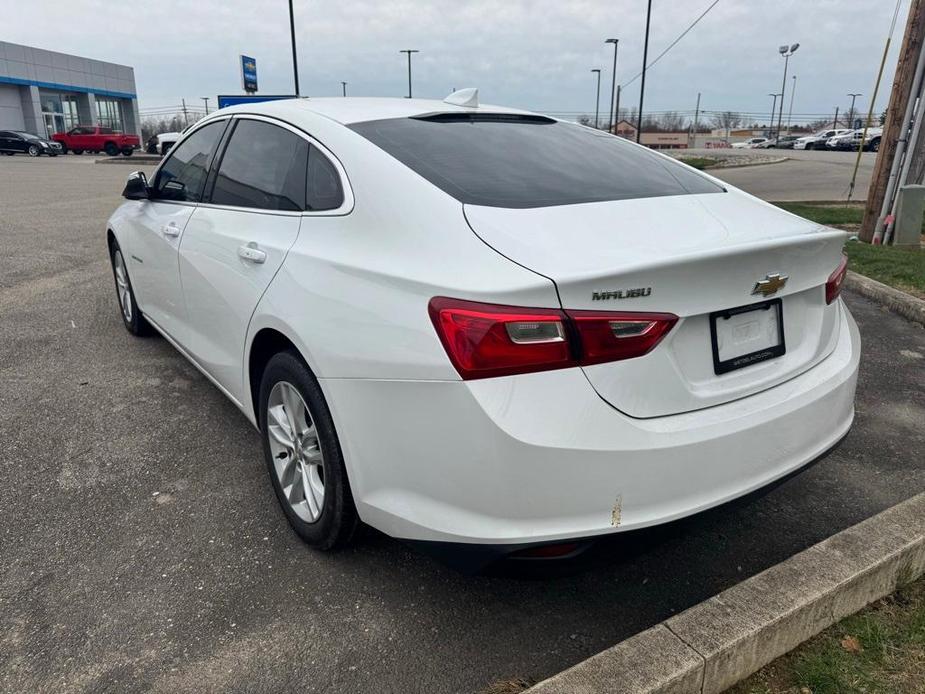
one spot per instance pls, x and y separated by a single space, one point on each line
913 41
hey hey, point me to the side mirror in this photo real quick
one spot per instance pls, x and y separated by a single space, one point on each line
136 187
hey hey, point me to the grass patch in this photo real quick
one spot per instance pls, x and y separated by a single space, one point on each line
699 162
829 214
900 268
880 650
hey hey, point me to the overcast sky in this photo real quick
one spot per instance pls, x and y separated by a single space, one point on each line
532 54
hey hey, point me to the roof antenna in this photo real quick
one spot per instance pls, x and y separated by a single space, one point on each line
468 97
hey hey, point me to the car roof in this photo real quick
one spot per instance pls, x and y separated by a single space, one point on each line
348 110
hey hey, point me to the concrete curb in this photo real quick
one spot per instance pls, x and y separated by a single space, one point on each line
723 640
141 160
906 305
779 160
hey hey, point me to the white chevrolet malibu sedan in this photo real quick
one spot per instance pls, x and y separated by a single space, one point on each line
483 329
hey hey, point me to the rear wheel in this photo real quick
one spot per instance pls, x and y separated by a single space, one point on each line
33 150
111 149
127 151
303 455
77 151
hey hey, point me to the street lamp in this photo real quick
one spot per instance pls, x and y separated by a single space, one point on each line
645 58
409 51
853 97
786 52
613 84
773 111
344 86
597 104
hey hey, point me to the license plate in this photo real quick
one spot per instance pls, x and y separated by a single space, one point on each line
747 335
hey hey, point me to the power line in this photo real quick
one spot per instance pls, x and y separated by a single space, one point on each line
673 43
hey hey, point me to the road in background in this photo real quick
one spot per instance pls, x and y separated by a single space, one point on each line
143 549
813 175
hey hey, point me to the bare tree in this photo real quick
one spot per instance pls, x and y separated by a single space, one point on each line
672 122
727 120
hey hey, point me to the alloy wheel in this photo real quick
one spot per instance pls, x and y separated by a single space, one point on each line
122 286
297 457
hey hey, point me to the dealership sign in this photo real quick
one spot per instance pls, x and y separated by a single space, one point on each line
248 74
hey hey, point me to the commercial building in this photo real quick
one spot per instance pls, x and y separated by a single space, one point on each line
44 92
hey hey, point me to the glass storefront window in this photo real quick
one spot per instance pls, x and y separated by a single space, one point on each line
109 113
69 106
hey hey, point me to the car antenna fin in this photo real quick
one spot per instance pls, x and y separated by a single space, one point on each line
468 97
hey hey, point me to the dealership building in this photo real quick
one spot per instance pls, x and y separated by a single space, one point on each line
44 92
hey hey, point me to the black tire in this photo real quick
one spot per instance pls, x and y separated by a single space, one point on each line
77 151
338 520
875 145
136 323
63 148
52 154
111 149
127 151
9 154
809 145
33 151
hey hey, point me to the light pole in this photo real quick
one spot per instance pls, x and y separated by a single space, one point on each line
786 52
613 83
344 87
597 103
851 115
206 100
295 62
773 111
793 90
409 51
645 58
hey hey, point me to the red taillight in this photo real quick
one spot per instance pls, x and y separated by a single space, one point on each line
614 336
484 340
836 280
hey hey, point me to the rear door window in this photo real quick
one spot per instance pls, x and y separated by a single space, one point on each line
183 175
515 161
263 167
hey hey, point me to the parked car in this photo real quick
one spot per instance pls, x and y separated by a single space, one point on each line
785 142
17 141
484 362
818 140
846 141
752 143
872 142
93 138
161 144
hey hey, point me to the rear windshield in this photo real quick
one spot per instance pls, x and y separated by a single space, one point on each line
528 161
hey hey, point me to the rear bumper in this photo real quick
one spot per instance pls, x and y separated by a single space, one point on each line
541 457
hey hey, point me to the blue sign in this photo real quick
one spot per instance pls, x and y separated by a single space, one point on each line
235 99
248 74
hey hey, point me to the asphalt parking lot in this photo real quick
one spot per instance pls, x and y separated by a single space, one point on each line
141 547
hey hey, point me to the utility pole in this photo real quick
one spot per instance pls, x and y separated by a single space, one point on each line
851 114
897 124
793 90
206 100
696 119
613 84
344 86
616 110
409 51
597 103
645 58
835 121
185 115
295 61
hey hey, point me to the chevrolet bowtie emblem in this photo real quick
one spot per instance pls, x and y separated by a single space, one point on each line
771 284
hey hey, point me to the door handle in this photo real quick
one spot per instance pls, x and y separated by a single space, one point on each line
170 229
252 253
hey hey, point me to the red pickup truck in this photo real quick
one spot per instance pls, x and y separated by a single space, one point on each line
93 138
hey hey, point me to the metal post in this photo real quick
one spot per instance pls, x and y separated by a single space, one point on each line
409 51
835 122
616 110
295 62
773 111
344 86
597 103
613 84
645 58
206 100
793 90
185 116
851 113
783 90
